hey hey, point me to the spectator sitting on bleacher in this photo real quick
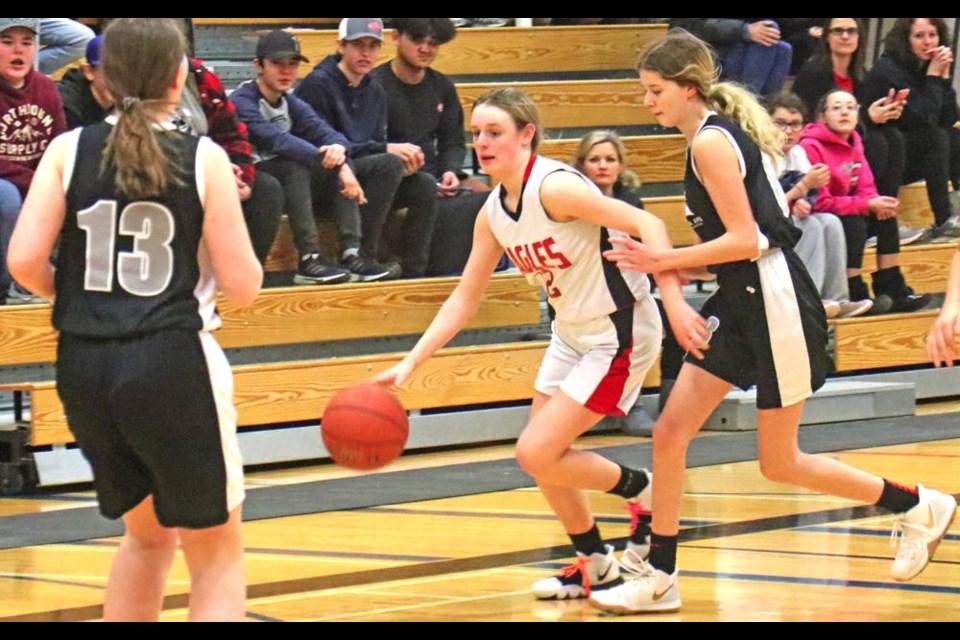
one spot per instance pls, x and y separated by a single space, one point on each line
750 50
823 246
341 91
205 110
852 195
86 98
293 144
423 109
601 156
31 116
64 41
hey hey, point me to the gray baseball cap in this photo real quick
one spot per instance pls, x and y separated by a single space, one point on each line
356 28
27 23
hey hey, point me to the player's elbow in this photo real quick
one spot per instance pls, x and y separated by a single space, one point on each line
242 289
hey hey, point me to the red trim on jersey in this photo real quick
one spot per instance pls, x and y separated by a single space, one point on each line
610 390
529 171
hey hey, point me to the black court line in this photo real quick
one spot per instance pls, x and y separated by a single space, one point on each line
465 565
349 494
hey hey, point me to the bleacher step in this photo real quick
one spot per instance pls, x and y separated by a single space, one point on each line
838 401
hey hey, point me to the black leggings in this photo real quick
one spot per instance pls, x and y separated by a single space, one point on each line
858 228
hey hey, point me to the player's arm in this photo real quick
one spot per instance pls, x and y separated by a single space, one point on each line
719 168
39 224
567 197
235 266
942 343
459 309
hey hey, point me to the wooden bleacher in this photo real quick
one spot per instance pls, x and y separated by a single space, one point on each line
518 50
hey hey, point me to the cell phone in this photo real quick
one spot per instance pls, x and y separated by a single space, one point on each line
902 95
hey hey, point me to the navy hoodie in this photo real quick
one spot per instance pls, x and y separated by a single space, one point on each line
359 113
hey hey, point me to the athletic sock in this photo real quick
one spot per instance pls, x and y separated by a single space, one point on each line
632 482
588 543
663 553
643 530
897 498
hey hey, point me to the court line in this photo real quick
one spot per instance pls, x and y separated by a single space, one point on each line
259 617
67 583
882 454
512 516
813 554
879 533
301 553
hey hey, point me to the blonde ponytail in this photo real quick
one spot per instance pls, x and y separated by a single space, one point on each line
740 106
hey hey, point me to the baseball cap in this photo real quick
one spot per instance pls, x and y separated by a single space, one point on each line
280 45
27 23
93 51
356 28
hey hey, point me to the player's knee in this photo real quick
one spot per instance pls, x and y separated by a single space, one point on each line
534 459
155 540
669 438
779 469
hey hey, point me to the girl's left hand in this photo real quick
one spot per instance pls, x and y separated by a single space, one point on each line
689 329
942 343
630 255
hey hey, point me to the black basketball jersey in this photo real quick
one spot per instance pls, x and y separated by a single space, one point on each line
766 197
131 267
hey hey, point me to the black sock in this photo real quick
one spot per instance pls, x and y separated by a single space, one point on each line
898 499
588 543
663 553
632 482
643 530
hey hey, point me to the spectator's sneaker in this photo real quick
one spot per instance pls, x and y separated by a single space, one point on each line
652 591
587 575
910 235
919 532
17 295
946 232
831 308
314 270
366 270
460 23
490 22
851 309
882 305
871 243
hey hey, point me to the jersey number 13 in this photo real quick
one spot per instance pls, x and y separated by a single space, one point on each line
147 270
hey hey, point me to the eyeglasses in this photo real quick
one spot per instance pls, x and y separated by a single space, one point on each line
783 125
844 31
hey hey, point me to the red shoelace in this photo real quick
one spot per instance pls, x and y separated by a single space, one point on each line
580 566
635 509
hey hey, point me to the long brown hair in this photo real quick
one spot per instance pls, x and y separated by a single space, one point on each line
897 42
141 59
518 105
683 58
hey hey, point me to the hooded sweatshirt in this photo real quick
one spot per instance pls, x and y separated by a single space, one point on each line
30 118
359 113
851 186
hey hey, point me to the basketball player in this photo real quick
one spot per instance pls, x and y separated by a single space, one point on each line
772 330
151 228
554 224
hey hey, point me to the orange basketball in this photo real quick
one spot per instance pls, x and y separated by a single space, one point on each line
365 427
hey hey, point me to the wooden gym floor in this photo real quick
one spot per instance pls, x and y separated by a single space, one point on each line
752 550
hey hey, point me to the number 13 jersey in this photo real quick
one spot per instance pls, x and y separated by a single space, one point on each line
565 258
131 267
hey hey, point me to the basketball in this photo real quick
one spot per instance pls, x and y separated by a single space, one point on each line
365 427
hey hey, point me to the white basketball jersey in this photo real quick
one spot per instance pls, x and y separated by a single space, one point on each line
565 258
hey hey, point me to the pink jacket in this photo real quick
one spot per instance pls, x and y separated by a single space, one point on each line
851 184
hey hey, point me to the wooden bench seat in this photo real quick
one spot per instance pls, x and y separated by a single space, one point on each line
307 314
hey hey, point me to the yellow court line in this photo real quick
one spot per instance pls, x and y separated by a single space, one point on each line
350 590
377 612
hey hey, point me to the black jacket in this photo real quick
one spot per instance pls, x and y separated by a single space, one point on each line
932 101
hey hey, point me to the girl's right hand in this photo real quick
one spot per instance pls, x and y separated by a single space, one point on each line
884 207
818 176
942 343
395 376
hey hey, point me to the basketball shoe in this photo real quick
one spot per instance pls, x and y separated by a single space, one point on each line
918 532
587 575
652 591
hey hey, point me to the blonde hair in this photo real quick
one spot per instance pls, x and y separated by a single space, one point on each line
518 105
685 59
141 59
627 178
